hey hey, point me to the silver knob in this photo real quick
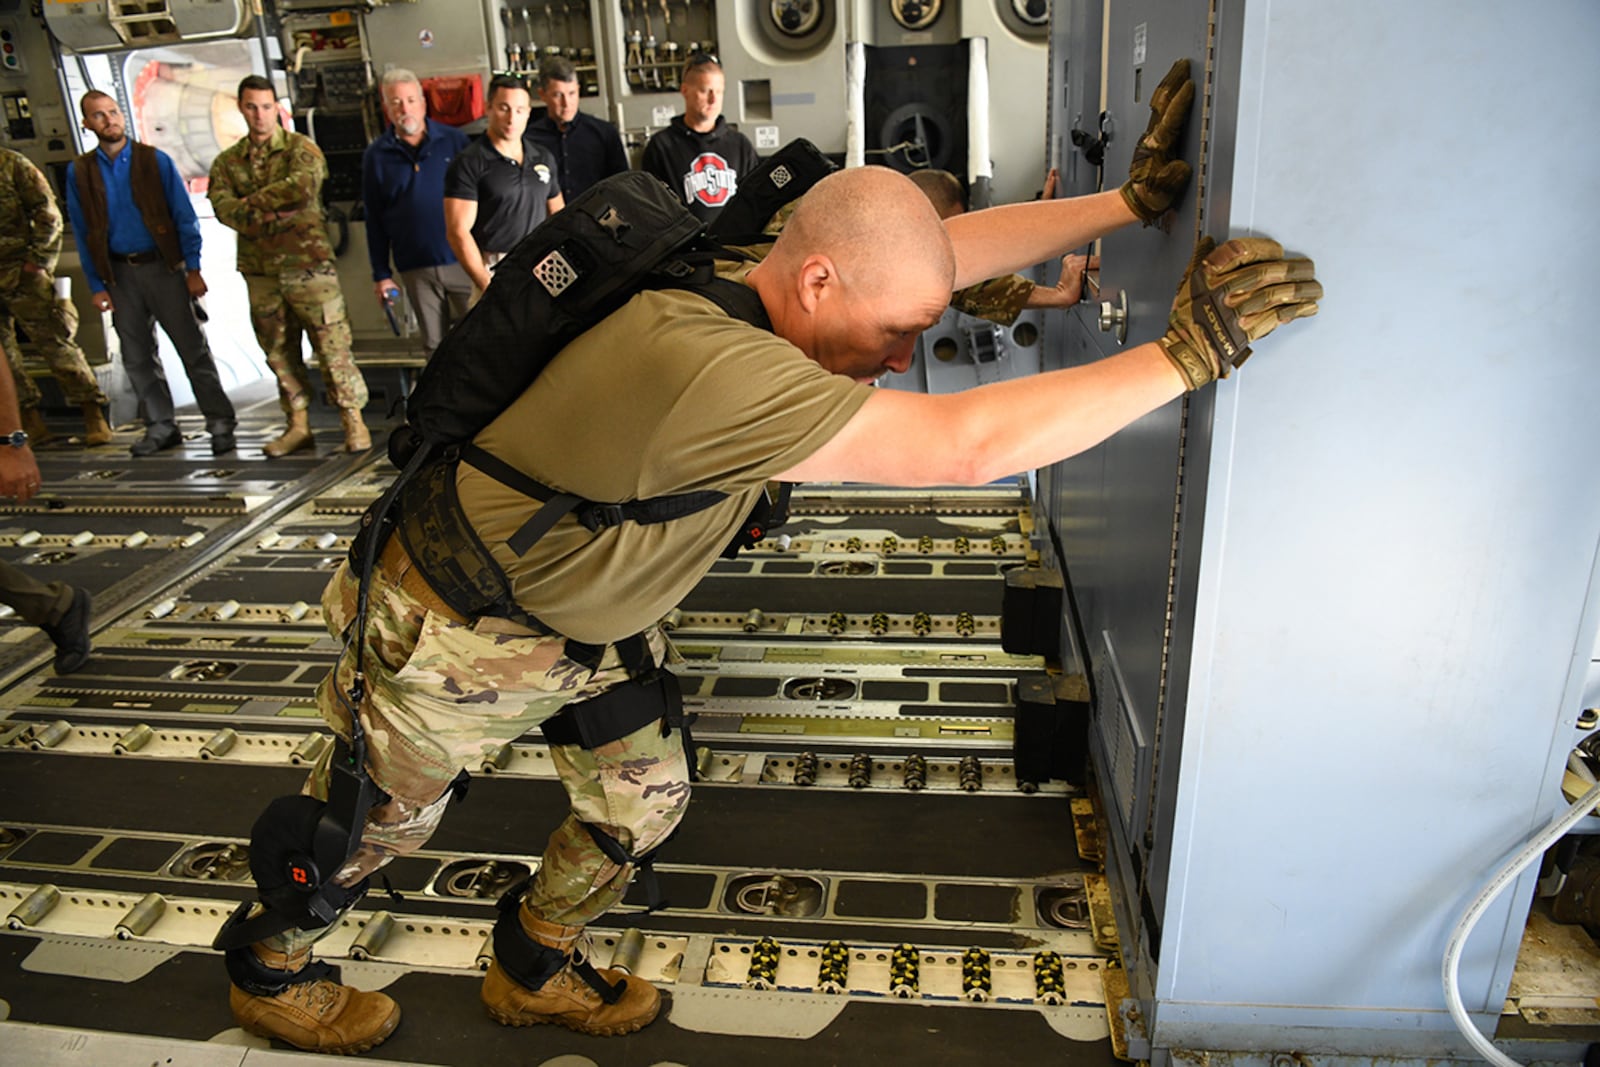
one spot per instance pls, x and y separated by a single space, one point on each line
1114 316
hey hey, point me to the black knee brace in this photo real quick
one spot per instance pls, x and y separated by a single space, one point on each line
297 846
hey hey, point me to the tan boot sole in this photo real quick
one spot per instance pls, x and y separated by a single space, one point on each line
336 1050
273 450
506 1018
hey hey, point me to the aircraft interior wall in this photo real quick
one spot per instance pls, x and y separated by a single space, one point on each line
1191 747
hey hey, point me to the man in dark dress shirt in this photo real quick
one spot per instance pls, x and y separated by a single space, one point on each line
587 148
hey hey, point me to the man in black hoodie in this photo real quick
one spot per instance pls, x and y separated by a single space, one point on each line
699 156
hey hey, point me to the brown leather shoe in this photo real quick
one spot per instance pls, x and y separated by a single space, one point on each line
96 431
296 435
566 998
356 436
320 1016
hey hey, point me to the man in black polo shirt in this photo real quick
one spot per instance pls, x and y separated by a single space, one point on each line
500 187
587 148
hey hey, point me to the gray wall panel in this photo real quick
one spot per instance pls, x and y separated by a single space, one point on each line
1387 594
1403 520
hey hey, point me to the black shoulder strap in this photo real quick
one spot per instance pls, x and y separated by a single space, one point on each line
737 299
594 515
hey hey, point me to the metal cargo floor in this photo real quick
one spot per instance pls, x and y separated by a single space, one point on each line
867 643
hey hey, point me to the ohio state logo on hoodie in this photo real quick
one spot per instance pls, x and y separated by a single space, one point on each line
710 180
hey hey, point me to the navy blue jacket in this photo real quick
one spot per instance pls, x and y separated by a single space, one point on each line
587 150
403 190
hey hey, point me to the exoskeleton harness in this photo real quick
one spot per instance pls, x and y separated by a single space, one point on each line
625 234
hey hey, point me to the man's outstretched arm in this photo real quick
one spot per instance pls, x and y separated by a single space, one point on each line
1232 295
1014 237
976 436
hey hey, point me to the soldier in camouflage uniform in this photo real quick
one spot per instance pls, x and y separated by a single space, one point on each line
30 240
466 688
862 268
266 186
1002 299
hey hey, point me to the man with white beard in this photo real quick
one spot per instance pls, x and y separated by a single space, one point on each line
402 178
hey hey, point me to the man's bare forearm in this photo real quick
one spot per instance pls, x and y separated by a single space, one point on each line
1031 422
1014 237
981 434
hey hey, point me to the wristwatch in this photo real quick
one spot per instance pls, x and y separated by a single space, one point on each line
17 438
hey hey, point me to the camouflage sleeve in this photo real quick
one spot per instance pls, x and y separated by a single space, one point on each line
44 218
999 300
233 211
299 188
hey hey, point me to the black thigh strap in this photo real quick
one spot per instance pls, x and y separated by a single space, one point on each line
618 712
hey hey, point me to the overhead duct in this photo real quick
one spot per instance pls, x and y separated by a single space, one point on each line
88 26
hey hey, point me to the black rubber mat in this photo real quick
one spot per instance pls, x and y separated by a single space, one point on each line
905 527
780 828
856 596
260 587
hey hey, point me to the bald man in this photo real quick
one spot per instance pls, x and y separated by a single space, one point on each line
671 396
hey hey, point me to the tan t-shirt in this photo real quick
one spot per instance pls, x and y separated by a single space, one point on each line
667 395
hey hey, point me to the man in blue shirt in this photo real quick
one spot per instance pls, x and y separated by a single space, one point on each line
139 241
402 181
586 148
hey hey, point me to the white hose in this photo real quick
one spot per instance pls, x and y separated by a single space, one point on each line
1504 877
979 163
855 90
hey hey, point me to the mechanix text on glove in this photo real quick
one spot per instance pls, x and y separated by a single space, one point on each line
1231 295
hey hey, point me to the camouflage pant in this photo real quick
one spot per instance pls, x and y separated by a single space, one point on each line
998 299
51 324
281 306
440 695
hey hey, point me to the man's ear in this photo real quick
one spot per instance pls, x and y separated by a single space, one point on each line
817 279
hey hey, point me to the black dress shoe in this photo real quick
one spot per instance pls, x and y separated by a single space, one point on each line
222 443
151 443
71 634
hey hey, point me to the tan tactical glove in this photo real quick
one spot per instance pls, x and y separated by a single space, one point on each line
1155 178
1232 294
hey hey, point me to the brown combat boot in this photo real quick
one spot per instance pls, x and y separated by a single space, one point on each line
96 431
318 1015
34 426
356 436
294 437
555 986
